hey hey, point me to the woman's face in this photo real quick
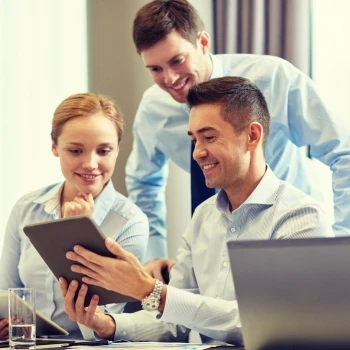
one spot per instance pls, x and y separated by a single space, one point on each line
88 149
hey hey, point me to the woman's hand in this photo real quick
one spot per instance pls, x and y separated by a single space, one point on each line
91 316
4 329
82 204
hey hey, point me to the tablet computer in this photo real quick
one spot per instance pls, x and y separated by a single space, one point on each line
44 326
53 239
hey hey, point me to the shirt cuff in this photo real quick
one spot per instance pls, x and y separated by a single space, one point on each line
180 307
124 326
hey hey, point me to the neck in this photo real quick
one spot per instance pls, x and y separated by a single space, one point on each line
209 65
241 190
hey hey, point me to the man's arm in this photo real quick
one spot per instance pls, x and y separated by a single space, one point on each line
218 319
146 177
310 123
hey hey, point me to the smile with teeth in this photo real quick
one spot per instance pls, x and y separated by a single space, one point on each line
208 166
88 176
179 86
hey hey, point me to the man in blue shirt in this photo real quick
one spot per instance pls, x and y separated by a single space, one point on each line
229 127
172 42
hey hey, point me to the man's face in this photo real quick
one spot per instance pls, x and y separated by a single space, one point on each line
176 65
220 152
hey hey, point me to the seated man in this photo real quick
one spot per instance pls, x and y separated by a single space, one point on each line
229 125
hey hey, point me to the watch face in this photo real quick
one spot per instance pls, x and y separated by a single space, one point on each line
150 303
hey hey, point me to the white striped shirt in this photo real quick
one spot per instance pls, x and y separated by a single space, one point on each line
22 266
201 294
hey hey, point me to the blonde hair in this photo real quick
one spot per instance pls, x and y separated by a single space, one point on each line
86 104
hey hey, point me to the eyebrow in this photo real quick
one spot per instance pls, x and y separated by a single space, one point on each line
169 61
80 144
200 131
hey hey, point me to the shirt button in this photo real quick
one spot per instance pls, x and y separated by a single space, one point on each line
233 229
124 333
225 264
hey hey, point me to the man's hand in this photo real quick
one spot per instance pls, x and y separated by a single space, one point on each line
159 268
82 204
4 329
123 274
91 316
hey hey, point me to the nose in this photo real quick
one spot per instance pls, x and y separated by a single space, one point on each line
199 152
90 162
170 76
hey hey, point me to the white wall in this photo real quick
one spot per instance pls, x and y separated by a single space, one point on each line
46 48
331 69
43 60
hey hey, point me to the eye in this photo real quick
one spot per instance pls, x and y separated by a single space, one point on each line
75 152
104 152
154 69
209 138
193 141
177 61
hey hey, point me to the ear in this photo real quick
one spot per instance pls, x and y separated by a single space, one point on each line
255 133
54 149
204 41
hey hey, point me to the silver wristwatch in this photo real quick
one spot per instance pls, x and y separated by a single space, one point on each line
152 301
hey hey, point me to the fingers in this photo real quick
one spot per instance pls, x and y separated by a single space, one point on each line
88 198
82 204
4 329
86 257
80 259
79 303
91 310
63 286
85 271
116 249
69 304
171 263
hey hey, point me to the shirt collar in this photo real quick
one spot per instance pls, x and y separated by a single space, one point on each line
103 202
265 193
51 199
217 67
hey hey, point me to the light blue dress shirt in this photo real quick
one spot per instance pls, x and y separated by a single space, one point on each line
22 266
298 118
201 293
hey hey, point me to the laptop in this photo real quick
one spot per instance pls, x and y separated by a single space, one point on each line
293 293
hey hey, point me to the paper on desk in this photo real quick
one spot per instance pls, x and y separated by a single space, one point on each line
149 345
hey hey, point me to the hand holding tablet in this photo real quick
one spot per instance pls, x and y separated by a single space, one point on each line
54 239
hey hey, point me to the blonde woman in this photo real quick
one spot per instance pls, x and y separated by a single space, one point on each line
86 132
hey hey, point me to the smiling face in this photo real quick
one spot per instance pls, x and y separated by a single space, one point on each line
176 65
88 148
221 153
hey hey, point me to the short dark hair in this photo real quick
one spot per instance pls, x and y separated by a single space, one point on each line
241 102
158 18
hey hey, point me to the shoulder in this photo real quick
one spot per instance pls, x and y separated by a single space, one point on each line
292 202
36 196
205 210
156 102
256 66
127 209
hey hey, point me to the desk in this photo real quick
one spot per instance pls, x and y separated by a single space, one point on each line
142 345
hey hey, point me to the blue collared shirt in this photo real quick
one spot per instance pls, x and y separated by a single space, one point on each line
298 118
22 266
201 293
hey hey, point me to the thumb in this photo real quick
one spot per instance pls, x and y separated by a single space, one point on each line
115 249
90 199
